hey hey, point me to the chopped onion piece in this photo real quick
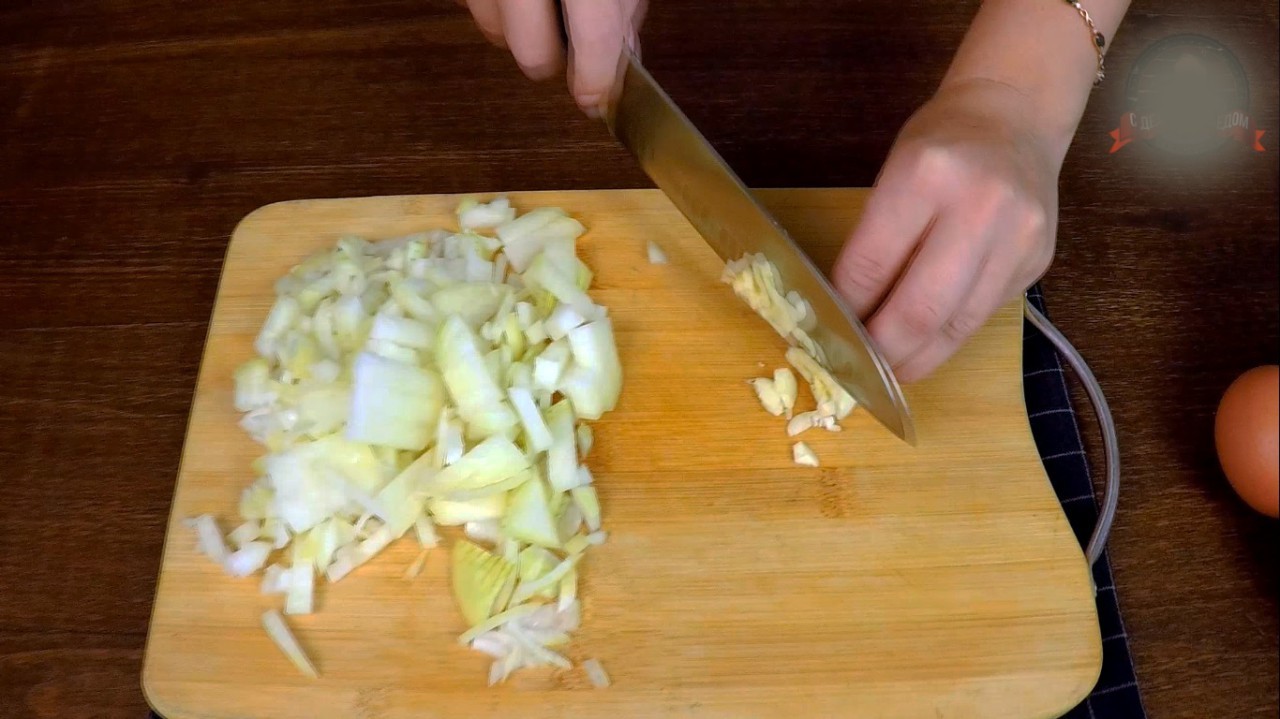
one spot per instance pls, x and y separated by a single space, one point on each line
275 580
449 513
279 633
277 532
477 396
562 456
550 365
284 313
248 559
415 568
596 673
253 385
536 432
768 394
505 485
473 215
495 644
402 331
478 577
256 500
525 237
493 622
472 303
543 274
348 558
398 504
550 579
540 654
594 383
520 374
408 298
803 455
483 530
245 533
501 669
511 549
449 444
568 590
656 255
528 516
784 383
589 504
802 422
563 319
534 562
210 538
298 600
426 532
323 410
393 403
493 460
324 541
586 438
570 519
577 544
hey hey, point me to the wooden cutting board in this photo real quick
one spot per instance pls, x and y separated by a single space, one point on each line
939 581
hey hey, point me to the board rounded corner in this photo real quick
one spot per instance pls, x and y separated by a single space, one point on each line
261 214
151 692
1090 673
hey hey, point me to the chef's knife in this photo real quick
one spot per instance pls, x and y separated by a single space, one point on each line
701 185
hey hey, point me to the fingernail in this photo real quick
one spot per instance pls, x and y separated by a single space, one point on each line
590 104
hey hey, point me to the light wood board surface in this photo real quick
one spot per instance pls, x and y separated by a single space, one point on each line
935 581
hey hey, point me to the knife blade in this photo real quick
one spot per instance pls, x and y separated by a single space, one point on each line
684 165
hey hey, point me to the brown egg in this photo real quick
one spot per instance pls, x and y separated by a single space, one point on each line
1247 433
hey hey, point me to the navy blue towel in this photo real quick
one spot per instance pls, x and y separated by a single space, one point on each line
1053 422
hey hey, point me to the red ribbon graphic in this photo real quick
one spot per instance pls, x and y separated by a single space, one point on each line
1131 128
1242 133
1236 125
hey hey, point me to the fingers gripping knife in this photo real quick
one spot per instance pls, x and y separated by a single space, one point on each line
701 185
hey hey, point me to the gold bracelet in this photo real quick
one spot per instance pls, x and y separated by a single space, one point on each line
1099 40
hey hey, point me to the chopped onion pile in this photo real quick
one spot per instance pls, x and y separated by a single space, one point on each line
755 280
438 379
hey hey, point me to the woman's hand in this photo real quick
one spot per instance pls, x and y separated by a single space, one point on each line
961 221
598 30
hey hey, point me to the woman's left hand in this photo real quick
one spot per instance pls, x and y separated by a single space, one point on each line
961 221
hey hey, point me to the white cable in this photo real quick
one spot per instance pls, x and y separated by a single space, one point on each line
1110 445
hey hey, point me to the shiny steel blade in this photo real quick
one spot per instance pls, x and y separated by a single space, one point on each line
699 183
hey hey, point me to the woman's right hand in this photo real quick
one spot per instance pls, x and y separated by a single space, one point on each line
598 30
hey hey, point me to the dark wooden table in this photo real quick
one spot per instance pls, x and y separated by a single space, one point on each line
135 133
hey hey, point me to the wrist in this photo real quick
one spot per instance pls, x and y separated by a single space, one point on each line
1048 115
1042 51
1022 114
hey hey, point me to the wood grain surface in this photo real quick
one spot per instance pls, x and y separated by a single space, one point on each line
892 581
134 134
